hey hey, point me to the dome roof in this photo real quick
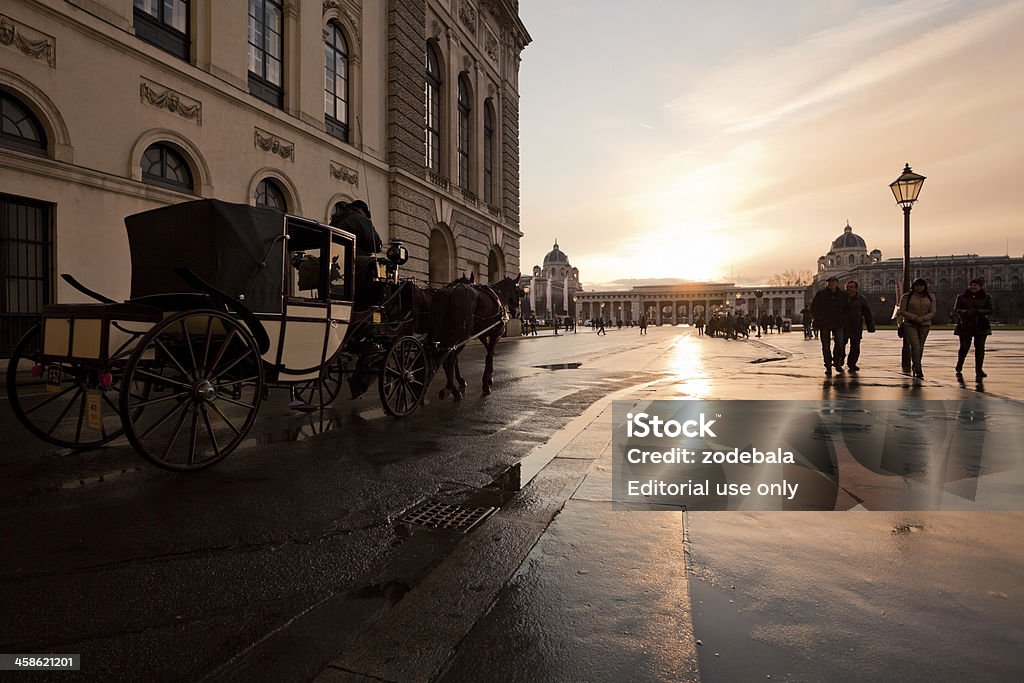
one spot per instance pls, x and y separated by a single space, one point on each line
556 255
849 240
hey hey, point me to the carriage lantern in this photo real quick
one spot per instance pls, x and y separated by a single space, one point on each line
397 253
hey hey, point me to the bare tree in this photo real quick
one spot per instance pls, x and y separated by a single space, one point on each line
791 278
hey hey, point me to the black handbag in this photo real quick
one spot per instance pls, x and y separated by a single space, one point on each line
899 331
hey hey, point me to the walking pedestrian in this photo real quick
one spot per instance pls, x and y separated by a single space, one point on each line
831 310
860 315
600 326
972 309
643 323
917 308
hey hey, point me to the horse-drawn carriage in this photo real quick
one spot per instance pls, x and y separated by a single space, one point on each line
226 301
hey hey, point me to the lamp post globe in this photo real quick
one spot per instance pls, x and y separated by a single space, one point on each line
906 190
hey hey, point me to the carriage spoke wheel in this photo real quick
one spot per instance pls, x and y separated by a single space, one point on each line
206 383
59 414
404 377
321 392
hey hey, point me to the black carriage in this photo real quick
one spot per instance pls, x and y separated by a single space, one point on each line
227 300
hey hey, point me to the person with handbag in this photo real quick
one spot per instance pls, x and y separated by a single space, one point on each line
917 308
972 309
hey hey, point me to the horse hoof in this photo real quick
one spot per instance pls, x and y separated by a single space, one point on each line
487 390
462 383
457 395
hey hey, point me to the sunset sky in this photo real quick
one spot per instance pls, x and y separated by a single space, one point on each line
732 140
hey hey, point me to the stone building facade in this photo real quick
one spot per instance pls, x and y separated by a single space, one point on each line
847 251
947 276
112 107
682 303
553 287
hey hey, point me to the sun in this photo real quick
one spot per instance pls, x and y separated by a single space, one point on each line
687 253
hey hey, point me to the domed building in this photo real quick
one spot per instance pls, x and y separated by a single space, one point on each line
848 251
552 286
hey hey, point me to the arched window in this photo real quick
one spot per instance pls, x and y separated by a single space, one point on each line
164 166
488 152
432 124
997 282
270 195
1014 282
943 284
852 260
958 283
890 285
335 82
876 285
164 23
266 51
19 128
464 137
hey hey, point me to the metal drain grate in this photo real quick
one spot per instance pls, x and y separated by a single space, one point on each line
434 514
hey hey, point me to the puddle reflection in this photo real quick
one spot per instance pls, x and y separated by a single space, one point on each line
688 368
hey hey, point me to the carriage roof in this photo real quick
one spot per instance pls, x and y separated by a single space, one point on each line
223 243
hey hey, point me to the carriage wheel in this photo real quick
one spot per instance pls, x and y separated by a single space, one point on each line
206 382
322 391
59 415
404 377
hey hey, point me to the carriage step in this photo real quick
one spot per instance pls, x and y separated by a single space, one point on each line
433 514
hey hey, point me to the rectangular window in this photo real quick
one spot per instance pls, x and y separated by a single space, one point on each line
266 51
488 162
463 150
26 258
164 23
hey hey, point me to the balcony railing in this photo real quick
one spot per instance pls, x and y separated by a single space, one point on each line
439 180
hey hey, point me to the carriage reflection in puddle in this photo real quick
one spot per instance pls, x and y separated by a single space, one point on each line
227 300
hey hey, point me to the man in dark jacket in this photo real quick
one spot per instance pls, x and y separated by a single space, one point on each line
860 314
355 218
831 310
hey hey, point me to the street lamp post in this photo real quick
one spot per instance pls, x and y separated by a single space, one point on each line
906 189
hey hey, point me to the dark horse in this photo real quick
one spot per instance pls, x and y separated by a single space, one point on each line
404 310
463 310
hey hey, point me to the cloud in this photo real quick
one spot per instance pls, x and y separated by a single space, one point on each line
834 65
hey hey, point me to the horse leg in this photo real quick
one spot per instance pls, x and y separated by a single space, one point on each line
489 343
458 374
449 386
458 386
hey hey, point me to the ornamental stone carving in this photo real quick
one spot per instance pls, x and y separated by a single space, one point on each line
344 173
468 14
269 142
351 17
165 98
13 34
491 45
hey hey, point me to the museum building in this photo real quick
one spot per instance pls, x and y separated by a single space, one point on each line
112 107
552 287
947 276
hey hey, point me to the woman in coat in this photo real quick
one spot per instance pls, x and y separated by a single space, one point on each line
917 308
972 308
